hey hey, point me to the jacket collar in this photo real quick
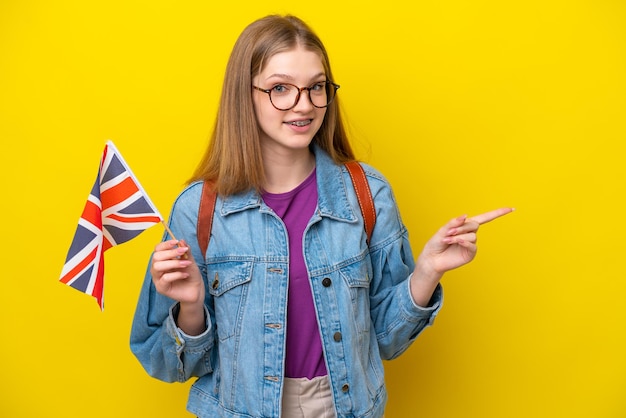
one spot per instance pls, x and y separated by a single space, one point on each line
332 200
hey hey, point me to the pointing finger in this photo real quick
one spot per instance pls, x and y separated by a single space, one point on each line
490 216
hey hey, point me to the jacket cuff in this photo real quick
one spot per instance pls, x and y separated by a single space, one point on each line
420 312
185 341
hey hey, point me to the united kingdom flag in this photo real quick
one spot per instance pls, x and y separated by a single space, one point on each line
117 210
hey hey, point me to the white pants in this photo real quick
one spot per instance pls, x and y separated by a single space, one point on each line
304 398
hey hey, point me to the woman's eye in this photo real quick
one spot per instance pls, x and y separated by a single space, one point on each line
280 88
318 86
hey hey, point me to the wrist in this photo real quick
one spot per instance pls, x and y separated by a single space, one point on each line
424 281
191 318
425 272
191 310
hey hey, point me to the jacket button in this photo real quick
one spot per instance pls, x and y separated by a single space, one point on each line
326 282
216 282
337 336
345 387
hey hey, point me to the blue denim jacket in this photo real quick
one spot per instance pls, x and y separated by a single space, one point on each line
362 299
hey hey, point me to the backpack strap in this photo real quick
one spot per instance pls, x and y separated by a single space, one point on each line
205 215
359 181
364 196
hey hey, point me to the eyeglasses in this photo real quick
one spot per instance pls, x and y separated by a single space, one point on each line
285 96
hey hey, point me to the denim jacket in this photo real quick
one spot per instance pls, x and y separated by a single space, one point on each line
361 294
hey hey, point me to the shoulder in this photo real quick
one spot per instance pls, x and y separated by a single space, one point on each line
389 226
373 173
378 183
188 200
189 194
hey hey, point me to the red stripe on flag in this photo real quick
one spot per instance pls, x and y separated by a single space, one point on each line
106 244
118 193
92 214
79 267
98 288
132 220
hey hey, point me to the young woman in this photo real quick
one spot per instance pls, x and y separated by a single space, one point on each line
291 310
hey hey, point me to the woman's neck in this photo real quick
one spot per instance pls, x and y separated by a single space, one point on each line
285 172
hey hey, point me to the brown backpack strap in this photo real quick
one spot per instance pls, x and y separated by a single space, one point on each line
363 195
205 216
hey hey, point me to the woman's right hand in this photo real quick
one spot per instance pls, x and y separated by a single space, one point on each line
176 275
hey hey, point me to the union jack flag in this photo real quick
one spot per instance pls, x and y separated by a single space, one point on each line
117 210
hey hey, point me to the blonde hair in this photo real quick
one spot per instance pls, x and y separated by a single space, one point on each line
233 158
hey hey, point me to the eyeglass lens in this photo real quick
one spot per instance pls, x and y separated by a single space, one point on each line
285 96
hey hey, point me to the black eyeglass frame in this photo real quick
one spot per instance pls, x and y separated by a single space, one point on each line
300 89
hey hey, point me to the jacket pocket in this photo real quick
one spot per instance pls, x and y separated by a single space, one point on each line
358 277
228 284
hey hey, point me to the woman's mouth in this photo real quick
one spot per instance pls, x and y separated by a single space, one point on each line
300 122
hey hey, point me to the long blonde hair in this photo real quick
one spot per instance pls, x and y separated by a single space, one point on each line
233 158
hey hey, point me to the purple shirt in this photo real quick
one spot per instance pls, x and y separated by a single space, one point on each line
304 356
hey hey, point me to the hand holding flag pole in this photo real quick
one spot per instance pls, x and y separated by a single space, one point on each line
169 231
117 210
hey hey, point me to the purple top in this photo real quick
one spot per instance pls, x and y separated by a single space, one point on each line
304 356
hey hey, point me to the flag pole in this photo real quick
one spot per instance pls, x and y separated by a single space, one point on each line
169 231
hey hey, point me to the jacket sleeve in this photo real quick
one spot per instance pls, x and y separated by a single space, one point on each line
164 351
397 319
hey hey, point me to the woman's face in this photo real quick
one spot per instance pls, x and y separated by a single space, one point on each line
294 129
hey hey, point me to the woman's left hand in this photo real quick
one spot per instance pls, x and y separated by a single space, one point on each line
454 245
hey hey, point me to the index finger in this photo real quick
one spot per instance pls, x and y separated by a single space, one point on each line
490 216
166 245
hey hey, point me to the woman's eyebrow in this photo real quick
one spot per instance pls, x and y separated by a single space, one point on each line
286 76
291 78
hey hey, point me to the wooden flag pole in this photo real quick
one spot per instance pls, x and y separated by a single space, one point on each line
169 231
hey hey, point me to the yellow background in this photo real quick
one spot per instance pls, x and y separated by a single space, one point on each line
464 105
